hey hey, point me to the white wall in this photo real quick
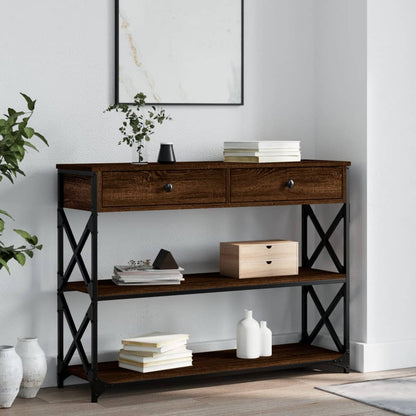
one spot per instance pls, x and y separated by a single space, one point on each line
341 132
365 113
62 54
391 281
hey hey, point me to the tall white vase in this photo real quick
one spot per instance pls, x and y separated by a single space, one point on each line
248 337
10 375
265 340
34 366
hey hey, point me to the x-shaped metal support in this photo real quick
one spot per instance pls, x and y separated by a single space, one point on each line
77 336
325 314
307 212
76 249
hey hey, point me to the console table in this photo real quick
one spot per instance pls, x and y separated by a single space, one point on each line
189 185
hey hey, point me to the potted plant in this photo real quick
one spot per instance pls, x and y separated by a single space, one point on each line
138 125
15 139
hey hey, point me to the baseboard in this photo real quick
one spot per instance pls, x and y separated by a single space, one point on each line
367 357
385 356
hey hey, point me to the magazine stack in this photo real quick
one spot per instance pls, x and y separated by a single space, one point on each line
127 276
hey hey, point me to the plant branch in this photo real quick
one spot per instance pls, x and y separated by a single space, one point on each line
15 139
138 125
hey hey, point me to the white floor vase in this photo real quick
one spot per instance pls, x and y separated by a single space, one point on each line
10 375
34 366
248 337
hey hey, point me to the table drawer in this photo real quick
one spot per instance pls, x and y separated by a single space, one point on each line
265 250
271 184
275 267
151 187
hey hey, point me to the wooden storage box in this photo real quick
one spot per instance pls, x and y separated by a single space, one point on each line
247 259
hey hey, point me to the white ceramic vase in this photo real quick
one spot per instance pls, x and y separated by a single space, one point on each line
248 337
265 340
10 375
34 366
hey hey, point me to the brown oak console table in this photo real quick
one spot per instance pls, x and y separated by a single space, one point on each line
188 185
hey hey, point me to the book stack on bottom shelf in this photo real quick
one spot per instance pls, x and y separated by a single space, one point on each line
154 352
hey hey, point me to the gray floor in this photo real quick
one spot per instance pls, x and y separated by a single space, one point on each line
289 393
395 394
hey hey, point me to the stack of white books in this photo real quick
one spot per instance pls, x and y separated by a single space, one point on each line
126 275
262 151
154 352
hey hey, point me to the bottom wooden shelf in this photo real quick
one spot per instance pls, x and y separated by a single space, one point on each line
217 362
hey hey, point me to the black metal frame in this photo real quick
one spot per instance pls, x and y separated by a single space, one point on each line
116 60
343 293
90 231
91 282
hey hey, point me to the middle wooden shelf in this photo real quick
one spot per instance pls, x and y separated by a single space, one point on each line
208 282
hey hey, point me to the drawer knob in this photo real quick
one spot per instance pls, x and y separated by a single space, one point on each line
168 187
290 183
269 262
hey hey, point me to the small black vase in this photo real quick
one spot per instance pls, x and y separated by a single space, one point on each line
166 153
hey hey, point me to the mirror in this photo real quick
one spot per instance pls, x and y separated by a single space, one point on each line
180 51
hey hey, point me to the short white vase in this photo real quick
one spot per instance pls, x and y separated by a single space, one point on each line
248 337
265 340
34 366
10 375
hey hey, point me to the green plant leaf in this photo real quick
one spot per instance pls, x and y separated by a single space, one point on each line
18 149
6 213
20 257
3 263
41 137
24 234
30 102
29 132
1 225
28 144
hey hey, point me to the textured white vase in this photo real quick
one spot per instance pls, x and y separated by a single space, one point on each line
34 366
10 375
248 337
265 340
